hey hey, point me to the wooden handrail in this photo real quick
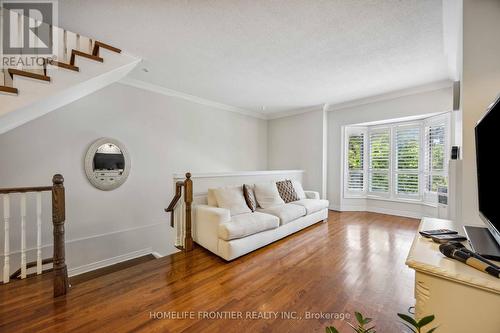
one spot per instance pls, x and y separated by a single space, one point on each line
25 189
188 200
178 194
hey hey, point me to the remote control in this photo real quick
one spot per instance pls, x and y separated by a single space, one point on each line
430 233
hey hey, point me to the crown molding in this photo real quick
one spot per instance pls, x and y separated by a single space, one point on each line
433 86
199 100
294 112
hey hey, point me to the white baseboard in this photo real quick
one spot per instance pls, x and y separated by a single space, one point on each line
361 208
157 255
108 262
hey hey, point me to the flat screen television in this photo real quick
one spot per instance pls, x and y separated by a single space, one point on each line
488 177
109 161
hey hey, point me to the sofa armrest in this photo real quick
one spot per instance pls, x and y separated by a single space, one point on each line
206 224
312 194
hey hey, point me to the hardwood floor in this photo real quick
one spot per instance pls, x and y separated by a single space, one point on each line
354 262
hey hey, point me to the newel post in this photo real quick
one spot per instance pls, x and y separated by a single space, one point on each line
188 199
61 284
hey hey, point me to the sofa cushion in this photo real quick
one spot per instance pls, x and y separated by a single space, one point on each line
232 198
267 195
286 191
297 186
286 213
311 205
250 197
247 224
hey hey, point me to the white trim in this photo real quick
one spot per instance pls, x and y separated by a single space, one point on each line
237 174
387 211
108 262
295 112
157 255
433 86
173 93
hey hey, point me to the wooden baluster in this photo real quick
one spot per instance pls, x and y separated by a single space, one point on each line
39 233
23 236
188 198
61 283
6 249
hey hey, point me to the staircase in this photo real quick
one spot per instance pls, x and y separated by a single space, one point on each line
78 67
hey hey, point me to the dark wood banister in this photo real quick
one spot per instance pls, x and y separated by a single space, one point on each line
61 282
178 194
188 200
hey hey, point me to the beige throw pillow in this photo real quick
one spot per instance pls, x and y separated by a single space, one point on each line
232 198
297 186
267 195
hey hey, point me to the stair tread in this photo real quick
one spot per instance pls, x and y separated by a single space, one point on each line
86 55
107 47
64 65
9 90
31 75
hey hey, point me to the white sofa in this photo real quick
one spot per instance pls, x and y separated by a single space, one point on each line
230 237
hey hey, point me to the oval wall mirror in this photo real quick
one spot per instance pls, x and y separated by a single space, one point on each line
107 164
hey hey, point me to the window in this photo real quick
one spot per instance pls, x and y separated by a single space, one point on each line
380 149
436 168
355 161
398 161
407 143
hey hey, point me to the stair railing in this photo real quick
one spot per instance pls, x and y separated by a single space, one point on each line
181 214
61 283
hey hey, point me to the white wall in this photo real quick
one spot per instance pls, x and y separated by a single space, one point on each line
164 135
480 86
436 101
296 142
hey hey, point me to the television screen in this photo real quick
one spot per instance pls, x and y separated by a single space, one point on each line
487 137
109 161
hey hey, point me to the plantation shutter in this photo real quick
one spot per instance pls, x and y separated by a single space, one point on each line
380 155
355 162
407 142
435 157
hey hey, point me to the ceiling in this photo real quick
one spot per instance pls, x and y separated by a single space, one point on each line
272 56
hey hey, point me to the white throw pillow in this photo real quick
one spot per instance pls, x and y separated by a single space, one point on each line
297 186
267 195
232 198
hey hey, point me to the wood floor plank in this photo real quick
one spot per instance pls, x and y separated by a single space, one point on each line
353 262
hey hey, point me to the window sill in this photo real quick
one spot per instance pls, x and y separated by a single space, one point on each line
407 201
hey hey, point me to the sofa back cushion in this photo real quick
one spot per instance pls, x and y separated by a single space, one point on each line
267 195
250 197
232 198
297 186
286 191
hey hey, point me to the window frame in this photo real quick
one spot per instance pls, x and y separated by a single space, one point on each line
424 196
430 196
396 171
370 171
349 131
